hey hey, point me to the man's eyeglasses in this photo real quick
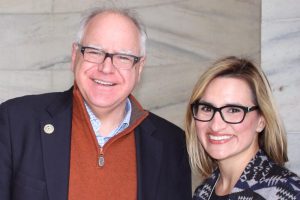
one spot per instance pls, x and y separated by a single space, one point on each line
119 60
232 114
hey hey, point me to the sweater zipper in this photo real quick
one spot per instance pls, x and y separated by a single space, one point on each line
101 160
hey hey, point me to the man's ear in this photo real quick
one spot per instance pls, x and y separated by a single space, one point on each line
74 55
141 67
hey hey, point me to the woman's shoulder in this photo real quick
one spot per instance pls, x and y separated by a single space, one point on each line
282 177
279 182
273 174
270 179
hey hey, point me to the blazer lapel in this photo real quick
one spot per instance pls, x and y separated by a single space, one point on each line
148 161
55 135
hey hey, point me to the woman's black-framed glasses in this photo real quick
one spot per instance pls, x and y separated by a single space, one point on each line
98 56
231 114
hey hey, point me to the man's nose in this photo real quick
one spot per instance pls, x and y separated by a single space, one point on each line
107 65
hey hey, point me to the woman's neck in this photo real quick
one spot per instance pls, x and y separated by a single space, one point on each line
231 169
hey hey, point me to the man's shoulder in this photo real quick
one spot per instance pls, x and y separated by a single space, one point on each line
36 100
163 123
163 128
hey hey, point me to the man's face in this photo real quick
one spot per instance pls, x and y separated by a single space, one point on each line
103 86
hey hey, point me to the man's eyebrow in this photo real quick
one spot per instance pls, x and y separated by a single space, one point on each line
95 47
100 48
123 51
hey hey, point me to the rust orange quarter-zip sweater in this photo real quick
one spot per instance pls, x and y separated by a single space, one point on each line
117 178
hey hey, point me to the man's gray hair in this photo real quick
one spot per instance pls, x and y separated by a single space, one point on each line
130 14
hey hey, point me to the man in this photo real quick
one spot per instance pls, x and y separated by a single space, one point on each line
94 141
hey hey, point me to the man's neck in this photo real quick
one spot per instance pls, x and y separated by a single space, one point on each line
110 118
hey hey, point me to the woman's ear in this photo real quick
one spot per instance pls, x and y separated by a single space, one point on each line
261 124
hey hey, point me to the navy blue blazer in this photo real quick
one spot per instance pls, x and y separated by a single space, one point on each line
35 165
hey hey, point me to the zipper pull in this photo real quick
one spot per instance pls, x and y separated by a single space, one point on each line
101 160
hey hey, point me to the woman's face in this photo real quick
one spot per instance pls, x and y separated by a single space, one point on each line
223 140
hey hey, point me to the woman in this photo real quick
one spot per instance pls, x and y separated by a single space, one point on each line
235 138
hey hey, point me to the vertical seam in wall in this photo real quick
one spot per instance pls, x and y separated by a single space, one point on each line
52 6
260 32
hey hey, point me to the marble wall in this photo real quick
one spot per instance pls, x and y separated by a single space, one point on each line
185 36
280 57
